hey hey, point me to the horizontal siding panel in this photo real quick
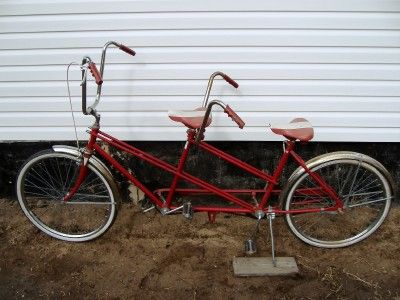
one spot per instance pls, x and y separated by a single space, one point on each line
183 55
90 6
336 63
205 38
213 134
203 71
200 20
160 119
194 87
239 103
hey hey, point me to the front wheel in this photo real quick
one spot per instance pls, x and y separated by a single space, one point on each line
43 182
359 181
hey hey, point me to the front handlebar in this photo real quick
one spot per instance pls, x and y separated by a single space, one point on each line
95 73
98 75
127 49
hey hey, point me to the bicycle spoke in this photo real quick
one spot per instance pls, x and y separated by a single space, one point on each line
67 175
369 202
42 189
89 203
40 179
47 174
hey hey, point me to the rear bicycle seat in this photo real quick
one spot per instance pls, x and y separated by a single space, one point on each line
298 129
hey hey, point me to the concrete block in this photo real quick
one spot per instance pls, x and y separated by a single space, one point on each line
263 266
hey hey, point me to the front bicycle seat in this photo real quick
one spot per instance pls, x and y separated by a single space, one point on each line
298 129
190 118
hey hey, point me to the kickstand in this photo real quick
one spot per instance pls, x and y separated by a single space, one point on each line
250 244
264 266
271 216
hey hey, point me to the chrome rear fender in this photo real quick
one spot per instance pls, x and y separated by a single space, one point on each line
337 156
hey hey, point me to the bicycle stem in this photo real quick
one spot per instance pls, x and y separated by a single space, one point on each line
207 115
85 61
209 86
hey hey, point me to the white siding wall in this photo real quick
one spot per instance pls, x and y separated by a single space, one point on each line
336 63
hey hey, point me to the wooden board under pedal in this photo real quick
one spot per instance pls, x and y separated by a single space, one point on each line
263 266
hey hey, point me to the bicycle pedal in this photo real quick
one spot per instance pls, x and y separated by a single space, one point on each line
145 210
250 247
187 210
146 205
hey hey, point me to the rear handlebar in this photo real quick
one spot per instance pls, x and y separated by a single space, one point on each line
234 116
231 113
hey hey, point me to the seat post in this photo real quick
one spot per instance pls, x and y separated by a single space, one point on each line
179 170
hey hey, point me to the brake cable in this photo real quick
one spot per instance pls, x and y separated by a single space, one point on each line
70 104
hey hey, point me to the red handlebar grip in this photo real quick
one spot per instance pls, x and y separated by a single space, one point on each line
127 49
95 73
234 117
230 81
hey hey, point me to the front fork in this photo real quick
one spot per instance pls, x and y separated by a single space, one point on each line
83 169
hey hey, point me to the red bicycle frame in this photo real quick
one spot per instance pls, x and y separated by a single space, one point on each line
240 205
194 139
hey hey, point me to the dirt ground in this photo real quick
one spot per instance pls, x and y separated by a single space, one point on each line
148 256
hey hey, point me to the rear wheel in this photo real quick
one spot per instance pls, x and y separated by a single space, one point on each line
364 190
43 182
